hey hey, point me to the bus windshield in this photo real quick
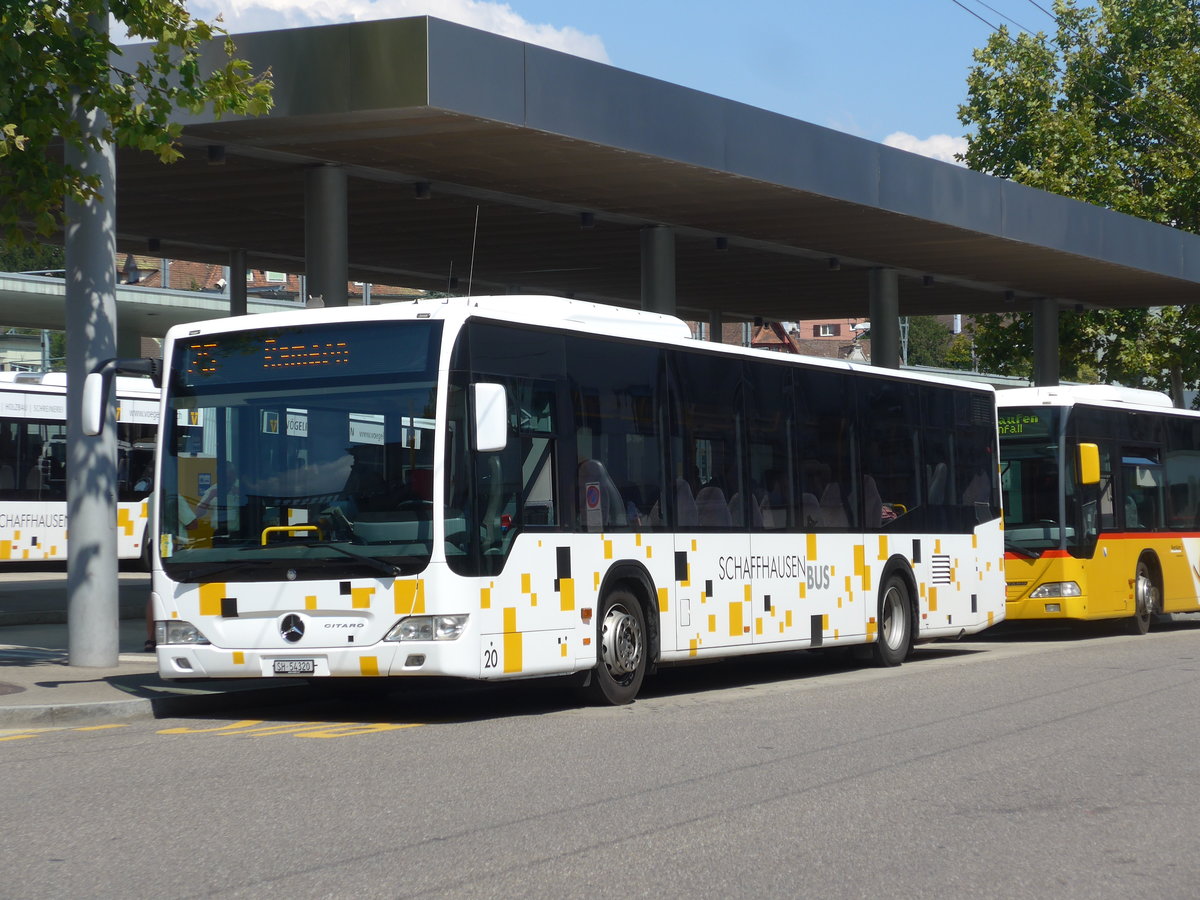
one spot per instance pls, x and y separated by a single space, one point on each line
1029 477
300 453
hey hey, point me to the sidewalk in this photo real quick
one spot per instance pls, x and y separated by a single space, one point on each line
39 689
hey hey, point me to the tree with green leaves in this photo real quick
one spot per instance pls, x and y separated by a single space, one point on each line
49 49
1105 110
928 341
29 257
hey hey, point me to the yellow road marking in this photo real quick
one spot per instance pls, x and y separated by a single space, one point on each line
261 728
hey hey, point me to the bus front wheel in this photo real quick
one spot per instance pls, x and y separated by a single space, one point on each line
622 649
1145 599
895 623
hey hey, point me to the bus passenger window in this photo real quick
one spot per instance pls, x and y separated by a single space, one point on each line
1142 487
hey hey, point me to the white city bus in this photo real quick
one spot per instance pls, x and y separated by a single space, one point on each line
33 465
508 487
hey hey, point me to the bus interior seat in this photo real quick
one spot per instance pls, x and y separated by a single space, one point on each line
756 514
33 479
773 518
612 507
978 490
833 513
712 508
1131 513
7 480
937 485
872 504
685 504
757 521
737 516
810 508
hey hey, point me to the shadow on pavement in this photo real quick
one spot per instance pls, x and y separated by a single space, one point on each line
451 701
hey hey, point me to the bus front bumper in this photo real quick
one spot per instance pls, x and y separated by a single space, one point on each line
386 658
1047 608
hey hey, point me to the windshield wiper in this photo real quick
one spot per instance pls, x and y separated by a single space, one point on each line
198 571
376 564
1021 551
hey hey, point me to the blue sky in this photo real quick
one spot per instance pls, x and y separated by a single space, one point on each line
892 71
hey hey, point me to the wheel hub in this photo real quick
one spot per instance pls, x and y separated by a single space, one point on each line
621 642
1147 596
892 626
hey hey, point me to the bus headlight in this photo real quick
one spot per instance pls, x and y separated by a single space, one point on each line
1056 589
177 631
428 628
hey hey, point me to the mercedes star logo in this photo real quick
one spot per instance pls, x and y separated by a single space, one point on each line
292 628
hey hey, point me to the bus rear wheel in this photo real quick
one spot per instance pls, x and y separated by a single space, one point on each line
895 623
622 649
1146 597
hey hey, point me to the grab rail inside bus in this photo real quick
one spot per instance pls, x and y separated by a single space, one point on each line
265 537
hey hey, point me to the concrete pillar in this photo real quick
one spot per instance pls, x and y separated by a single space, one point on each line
91 319
1045 342
325 234
658 269
883 287
716 326
237 282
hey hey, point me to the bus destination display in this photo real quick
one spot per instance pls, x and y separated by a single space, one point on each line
1024 423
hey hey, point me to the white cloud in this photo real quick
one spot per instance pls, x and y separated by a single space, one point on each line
498 18
937 146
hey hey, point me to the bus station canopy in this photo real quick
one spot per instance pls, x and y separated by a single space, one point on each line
478 162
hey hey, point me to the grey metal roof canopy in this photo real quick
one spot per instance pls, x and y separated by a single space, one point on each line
565 161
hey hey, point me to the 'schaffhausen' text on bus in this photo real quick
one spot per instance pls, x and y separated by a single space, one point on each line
1102 504
510 487
33 465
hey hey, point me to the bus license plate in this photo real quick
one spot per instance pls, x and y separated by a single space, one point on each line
295 666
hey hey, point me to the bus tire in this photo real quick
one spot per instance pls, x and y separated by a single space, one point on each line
621 647
1146 598
895 638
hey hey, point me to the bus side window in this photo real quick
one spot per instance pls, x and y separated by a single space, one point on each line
8 456
894 455
618 452
1182 469
711 426
1142 487
770 503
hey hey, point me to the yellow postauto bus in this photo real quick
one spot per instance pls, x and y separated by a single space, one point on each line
1101 489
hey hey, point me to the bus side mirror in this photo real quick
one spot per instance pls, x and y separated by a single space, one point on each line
1089 464
97 383
95 403
491 417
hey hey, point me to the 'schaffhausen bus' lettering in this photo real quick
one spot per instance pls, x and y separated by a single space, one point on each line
32 520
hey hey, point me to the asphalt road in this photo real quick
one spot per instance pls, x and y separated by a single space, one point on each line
1034 765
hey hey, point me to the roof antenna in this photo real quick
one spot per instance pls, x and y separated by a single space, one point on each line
474 235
